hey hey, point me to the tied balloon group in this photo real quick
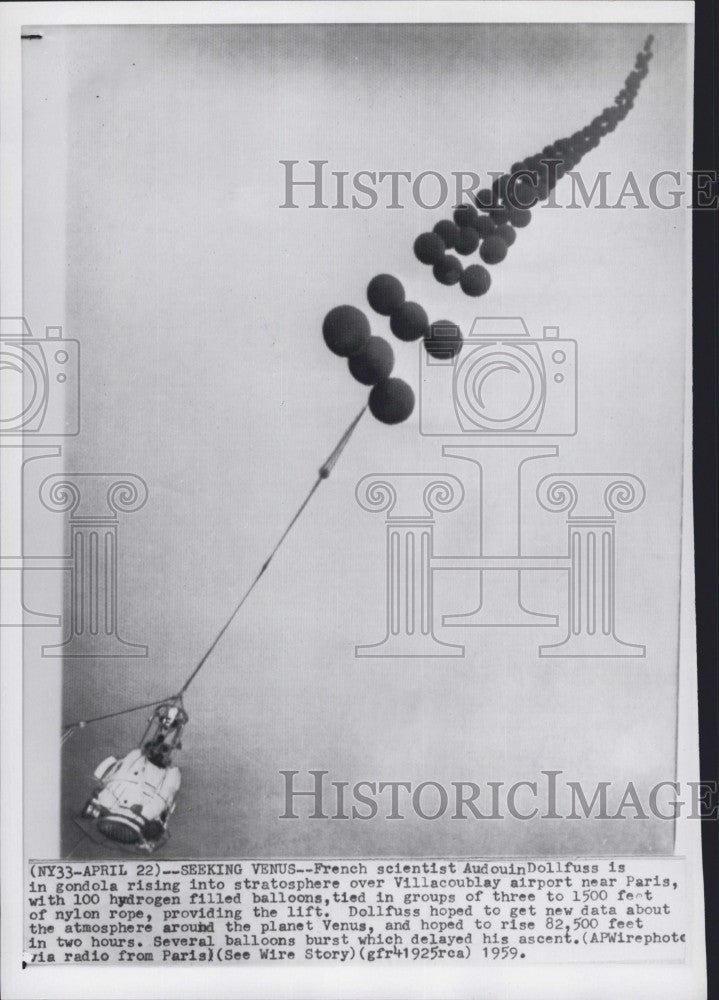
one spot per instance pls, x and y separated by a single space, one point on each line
506 207
370 359
408 320
489 225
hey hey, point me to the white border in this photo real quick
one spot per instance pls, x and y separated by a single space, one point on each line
588 981
353 11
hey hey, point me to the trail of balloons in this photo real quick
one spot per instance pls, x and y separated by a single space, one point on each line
491 225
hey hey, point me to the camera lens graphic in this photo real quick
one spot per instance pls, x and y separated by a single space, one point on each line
23 388
498 387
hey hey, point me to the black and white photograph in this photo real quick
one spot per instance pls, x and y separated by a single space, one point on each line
347 401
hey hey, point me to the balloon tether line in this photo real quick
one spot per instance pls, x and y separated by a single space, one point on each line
322 474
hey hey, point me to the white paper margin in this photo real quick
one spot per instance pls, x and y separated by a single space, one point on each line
553 982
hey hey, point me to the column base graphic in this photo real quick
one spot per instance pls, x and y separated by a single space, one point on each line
410 646
501 605
593 645
95 645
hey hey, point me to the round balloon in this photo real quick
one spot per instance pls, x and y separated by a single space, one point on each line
523 194
507 233
499 186
409 322
373 363
484 226
385 293
448 232
465 215
484 199
519 217
391 401
499 215
448 270
444 340
493 249
467 241
429 248
346 330
475 280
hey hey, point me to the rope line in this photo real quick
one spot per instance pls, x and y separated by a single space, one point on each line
251 587
323 474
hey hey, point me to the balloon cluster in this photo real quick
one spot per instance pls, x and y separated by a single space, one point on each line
506 207
370 359
491 225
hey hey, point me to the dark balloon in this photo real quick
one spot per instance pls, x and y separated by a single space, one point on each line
485 227
467 241
493 249
429 248
346 330
522 195
465 215
444 340
507 233
544 187
373 363
409 322
484 199
391 401
499 215
448 231
499 186
475 280
447 270
519 217
385 293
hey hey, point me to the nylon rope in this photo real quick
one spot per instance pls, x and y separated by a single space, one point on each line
323 473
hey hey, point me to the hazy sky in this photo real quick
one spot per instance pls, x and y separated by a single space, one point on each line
154 235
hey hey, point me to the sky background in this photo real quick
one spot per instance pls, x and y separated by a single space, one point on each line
153 234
